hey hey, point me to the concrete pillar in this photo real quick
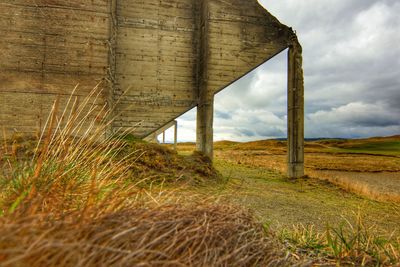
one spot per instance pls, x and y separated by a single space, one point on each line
204 130
205 107
175 134
295 111
153 138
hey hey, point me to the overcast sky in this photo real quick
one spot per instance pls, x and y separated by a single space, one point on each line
352 75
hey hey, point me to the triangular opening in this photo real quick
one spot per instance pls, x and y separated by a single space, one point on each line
252 108
255 106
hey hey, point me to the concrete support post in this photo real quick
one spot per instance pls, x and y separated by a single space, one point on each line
205 107
175 134
204 130
295 112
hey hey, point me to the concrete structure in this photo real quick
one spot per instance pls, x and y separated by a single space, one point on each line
157 58
153 137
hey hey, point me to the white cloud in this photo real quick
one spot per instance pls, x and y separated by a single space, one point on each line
355 119
249 124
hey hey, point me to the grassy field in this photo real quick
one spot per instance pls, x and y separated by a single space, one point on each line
69 199
375 146
366 166
301 211
283 203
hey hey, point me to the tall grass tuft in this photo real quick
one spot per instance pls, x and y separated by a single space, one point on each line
345 244
75 165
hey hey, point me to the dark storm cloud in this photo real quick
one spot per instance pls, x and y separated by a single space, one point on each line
357 114
351 63
271 131
245 132
266 131
222 115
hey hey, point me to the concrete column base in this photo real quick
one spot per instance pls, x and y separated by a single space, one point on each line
296 170
204 130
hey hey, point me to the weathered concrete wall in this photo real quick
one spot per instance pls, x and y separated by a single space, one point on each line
160 58
241 35
174 55
156 56
46 49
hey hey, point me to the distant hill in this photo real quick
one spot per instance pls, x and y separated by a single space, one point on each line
386 145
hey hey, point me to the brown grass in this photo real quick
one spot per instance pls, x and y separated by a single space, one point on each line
373 175
381 186
314 161
160 236
166 165
344 245
83 199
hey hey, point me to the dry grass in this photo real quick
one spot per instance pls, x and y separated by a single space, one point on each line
376 177
281 203
347 244
161 236
83 199
314 161
352 162
370 167
72 168
166 165
381 186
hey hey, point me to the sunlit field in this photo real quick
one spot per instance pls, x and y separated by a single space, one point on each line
370 167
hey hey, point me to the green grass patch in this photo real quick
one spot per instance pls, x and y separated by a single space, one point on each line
377 146
391 148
